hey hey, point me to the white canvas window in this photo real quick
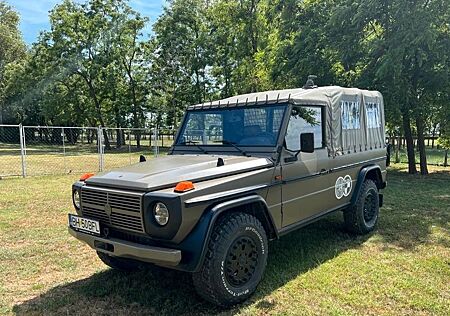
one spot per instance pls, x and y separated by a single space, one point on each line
304 119
373 115
350 115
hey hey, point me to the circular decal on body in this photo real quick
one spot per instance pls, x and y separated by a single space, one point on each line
343 187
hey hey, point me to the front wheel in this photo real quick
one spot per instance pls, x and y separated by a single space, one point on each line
235 260
362 217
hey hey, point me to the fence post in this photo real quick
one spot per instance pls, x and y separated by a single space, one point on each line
64 149
150 138
129 143
22 150
100 148
155 147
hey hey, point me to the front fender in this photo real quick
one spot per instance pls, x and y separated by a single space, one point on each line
362 176
194 246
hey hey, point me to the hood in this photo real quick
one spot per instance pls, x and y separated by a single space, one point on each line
167 171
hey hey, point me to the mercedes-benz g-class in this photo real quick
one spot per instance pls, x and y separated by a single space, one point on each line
242 171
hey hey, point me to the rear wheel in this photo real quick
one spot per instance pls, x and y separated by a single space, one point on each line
235 260
362 217
122 264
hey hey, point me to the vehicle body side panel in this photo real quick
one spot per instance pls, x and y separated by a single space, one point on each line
305 188
273 198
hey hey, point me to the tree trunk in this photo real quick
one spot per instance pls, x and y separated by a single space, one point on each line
446 158
409 144
98 107
105 136
119 140
421 145
136 110
433 134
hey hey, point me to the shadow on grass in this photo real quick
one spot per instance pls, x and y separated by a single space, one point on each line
165 292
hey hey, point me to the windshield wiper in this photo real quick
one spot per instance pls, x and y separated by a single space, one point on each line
227 142
193 143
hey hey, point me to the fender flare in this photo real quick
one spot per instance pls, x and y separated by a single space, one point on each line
361 177
194 246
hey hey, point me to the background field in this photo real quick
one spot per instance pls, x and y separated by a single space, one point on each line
48 160
403 268
434 156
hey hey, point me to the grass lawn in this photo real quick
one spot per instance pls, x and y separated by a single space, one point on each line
403 268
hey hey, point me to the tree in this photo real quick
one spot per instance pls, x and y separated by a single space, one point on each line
87 67
95 67
179 59
401 49
304 48
12 50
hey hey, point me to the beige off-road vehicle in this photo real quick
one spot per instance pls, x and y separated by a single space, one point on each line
242 171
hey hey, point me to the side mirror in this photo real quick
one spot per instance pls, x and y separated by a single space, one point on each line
307 142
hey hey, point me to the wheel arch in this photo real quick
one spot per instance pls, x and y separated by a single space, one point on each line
372 172
254 205
195 244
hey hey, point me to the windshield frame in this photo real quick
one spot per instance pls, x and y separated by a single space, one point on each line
212 148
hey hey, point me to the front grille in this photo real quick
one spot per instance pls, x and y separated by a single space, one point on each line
120 209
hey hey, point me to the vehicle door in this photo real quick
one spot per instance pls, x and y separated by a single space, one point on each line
307 189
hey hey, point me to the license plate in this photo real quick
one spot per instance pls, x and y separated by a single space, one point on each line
84 224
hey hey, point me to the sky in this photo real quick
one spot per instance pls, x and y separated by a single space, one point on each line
34 14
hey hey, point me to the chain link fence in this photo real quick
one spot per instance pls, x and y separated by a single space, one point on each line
11 151
42 150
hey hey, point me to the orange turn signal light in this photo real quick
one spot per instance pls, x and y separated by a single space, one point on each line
184 186
86 176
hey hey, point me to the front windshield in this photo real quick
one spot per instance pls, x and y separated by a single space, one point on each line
250 126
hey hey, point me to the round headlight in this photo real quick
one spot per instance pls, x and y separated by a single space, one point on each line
161 213
76 199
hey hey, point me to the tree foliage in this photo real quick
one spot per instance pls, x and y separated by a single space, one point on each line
94 66
12 50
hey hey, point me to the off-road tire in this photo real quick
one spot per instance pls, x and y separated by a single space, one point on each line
238 241
362 217
122 264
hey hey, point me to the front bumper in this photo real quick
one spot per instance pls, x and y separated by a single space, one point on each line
126 249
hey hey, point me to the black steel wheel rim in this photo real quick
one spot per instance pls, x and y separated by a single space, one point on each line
370 207
241 261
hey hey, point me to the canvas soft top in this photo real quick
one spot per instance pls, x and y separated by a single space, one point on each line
315 96
355 117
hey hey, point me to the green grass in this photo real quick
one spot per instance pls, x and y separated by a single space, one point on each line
434 156
403 268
